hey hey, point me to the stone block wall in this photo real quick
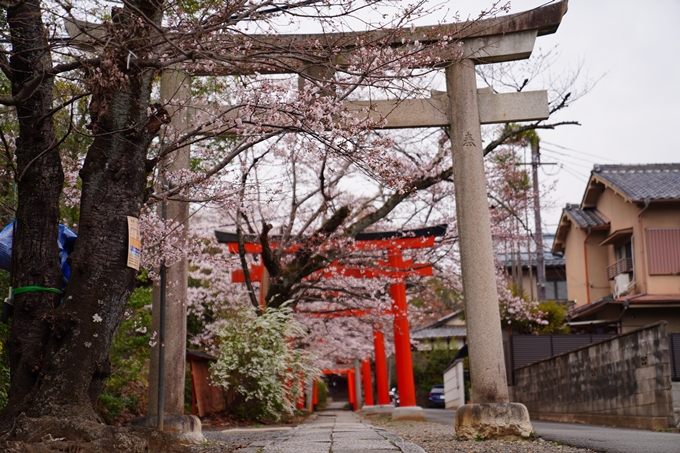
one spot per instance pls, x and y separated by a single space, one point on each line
626 377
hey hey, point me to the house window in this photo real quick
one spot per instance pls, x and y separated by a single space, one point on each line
556 290
624 251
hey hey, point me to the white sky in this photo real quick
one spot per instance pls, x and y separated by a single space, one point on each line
631 114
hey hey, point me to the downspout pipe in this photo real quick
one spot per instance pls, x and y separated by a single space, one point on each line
642 247
619 324
626 305
585 259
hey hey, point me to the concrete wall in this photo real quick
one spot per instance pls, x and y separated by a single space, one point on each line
454 385
623 381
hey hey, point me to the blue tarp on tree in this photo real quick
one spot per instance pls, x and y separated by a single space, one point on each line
66 240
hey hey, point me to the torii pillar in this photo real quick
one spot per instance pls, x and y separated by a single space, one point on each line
491 413
175 84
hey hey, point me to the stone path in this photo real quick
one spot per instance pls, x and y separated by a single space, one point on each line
336 432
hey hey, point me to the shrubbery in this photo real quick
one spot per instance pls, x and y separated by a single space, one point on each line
428 369
257 359
125 393
321 392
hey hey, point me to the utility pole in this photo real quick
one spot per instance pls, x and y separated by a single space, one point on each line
540 260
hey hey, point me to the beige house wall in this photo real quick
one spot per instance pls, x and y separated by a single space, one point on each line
573 254
581 289
622 215
598 261
529 282
635 318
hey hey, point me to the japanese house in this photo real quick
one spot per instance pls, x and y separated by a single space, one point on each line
622 249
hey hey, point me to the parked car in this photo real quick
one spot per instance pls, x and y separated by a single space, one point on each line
436 396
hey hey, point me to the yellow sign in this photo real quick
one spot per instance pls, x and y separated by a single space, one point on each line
134 243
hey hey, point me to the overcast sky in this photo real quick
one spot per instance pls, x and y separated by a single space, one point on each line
633 114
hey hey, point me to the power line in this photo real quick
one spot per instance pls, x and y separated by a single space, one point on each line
578 162
573 173
582 152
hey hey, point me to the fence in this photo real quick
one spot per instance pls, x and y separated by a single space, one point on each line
674 346
522 350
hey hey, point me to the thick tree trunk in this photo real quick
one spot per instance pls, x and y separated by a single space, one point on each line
40 179
60 351
114 180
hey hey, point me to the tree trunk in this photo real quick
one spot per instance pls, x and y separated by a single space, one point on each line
40 179
65 353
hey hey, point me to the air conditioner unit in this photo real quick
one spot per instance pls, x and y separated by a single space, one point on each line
621 285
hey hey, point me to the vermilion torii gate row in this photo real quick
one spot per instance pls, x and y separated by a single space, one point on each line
380 360
395 268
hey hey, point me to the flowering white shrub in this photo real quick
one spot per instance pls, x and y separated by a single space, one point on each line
257 359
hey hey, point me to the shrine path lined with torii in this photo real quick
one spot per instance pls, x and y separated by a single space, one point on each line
500 39
394 268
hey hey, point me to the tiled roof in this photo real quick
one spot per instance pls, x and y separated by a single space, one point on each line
640 182
584 217
550 259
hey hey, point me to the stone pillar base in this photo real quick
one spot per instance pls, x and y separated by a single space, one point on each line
186 428
415 413
379 409
493 421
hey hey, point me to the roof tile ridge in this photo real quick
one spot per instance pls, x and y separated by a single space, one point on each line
602 217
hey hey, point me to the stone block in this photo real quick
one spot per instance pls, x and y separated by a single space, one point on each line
186 428
676 394
379 409
415 413
663 409
493 421
663 396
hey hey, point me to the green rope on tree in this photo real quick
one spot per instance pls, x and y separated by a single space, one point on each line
30 289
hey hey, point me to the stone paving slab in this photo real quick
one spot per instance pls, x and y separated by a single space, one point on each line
337 432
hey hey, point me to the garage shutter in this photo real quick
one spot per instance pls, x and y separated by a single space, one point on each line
663 251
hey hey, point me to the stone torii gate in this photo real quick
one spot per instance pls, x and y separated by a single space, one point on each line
463 109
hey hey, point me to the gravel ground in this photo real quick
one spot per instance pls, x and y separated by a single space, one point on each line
437 438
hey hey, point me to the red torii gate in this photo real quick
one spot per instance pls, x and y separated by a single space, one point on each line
395 267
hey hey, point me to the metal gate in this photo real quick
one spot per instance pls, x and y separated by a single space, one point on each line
525 349
674 348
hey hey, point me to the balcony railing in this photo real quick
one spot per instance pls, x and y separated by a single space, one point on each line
621 266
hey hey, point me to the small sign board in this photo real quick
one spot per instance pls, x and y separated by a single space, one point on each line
134 243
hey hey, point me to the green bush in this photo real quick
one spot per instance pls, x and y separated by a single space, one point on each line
321 392
428 369
556 315
257 361
125 393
